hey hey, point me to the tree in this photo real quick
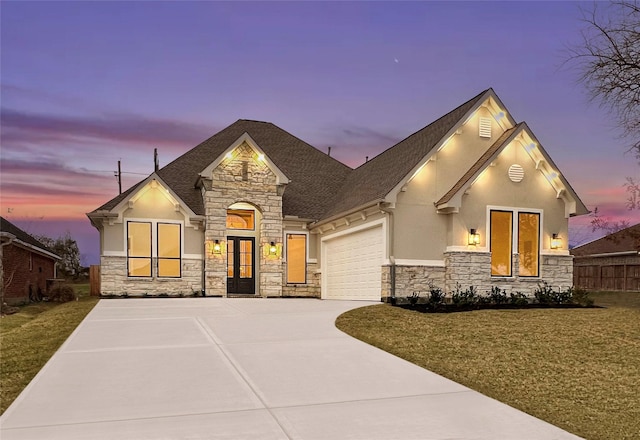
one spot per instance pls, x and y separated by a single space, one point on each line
608 59
67 248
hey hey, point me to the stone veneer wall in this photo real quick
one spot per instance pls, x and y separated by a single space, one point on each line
474 269
311 289
260 189
114 283
411 279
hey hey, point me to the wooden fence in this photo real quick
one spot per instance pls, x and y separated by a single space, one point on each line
94 280
608 277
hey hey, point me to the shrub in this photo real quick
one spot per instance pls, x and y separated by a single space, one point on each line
468 297
436 296
581 296
497 295
545 294
518 299
413 299
62 293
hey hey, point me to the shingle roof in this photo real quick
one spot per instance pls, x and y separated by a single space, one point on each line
315 177
625 240
8 227
484 160
377 177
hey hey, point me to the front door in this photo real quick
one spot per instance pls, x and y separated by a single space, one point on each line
241 277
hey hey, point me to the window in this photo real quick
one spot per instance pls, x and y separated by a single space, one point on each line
169 263
528 236
296 258
240 219
501 248
529 244
139 249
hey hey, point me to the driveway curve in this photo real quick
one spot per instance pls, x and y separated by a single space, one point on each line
217 368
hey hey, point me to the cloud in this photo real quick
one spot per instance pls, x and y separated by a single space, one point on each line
27 128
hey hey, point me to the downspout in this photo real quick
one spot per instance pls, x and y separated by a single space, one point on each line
392 258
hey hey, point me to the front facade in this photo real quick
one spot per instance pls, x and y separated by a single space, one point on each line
27 266
471 199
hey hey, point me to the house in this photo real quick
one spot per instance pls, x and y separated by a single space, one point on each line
609 263
472 198
27 265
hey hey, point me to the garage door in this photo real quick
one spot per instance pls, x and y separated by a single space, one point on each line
353 266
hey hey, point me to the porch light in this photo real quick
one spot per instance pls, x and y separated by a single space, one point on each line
273 249
556 241
217 248
474 237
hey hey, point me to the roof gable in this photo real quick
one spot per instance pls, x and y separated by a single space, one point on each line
260 155
391 169
523 135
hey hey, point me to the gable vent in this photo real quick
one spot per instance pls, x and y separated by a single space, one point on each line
516 173
485 127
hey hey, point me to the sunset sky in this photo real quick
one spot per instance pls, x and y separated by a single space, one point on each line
85 84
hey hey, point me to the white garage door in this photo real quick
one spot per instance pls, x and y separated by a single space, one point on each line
353 266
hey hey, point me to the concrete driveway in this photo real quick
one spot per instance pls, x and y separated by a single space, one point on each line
205 368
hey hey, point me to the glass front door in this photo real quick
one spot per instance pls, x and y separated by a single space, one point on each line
241 276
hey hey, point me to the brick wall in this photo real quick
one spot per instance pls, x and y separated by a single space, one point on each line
21 274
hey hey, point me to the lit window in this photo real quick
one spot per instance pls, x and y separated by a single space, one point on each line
529 244
296 258
501 247
240 219
169 263
139 249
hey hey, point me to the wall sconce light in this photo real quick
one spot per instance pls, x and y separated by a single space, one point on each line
273 249
474 237
261 157
216 248
556 241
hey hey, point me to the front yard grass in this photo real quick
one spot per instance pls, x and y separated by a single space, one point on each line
578 369
30 337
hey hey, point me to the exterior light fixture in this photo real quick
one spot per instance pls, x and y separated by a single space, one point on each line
261 157
216 249
556 241
474 237
273 250
228 155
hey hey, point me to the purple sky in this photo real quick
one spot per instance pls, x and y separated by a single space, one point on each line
85 84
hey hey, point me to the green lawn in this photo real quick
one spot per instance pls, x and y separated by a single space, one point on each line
30 337
578 369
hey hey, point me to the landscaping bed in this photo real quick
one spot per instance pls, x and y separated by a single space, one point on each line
544 297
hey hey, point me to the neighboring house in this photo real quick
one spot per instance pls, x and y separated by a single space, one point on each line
473 198
26 267
609 263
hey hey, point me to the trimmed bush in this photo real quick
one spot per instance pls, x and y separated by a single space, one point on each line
61 293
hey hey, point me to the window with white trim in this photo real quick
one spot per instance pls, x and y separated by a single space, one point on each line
526 240
169 262
296 258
